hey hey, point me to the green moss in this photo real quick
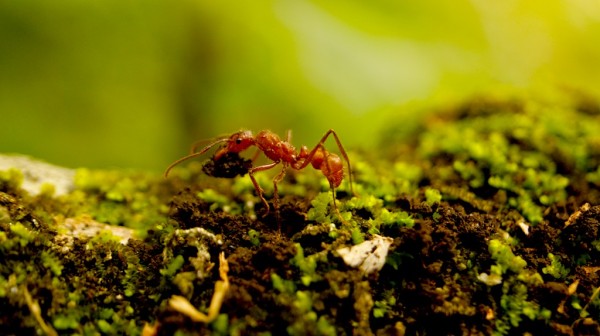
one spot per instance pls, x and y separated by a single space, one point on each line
254 237
556 268
174 265
282 285
517 280
11 179
384 182
220 325
131 276
356 235
299 304
325 328
131 199
62 322
432 196
23 233
218 201
399 218
51 262
383 307
594 177
306 265
380 216
514 148
105 327
515 306
505 259
320 208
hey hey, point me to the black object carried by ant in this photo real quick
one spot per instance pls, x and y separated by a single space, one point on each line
228 165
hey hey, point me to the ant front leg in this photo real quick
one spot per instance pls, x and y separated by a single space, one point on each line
259 190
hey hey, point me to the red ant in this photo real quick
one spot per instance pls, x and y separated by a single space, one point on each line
280 152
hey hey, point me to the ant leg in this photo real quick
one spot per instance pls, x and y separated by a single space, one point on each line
334 199
255 155
340 147
259 190
289 136
343 152
335 208
276 180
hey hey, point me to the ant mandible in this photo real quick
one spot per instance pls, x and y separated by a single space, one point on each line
284 153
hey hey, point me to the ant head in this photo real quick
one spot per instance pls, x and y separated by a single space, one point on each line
236 143
240 141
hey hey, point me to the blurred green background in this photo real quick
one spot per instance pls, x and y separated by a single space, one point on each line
132 83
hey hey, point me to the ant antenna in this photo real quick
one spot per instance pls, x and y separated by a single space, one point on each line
199 143
193 155
195 145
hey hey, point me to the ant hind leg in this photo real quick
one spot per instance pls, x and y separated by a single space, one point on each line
335 208
319 145
343 152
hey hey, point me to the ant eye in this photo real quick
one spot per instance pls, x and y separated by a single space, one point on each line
238 141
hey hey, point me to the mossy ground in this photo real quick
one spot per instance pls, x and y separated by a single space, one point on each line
485 203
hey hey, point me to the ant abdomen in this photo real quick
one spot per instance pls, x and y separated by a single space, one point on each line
333 169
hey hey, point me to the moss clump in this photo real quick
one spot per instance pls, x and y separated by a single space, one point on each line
11 180
131 199
556 268
524 150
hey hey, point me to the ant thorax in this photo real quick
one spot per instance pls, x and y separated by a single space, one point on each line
274 148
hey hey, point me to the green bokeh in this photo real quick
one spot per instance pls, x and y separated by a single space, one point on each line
133 83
